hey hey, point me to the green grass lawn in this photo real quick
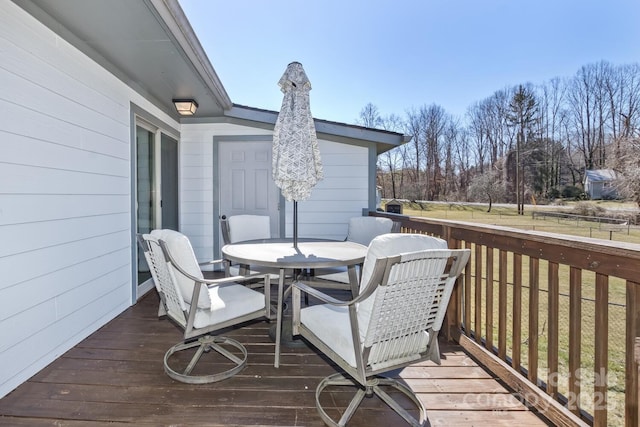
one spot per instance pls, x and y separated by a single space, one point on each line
507 217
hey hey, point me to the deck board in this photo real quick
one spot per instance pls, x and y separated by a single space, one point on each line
115 378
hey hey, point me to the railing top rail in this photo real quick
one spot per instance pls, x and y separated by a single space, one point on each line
618 259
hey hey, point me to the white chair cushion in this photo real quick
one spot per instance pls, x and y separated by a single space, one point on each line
394 244
182 252
363 229
384 246
237 300
249 227
331 325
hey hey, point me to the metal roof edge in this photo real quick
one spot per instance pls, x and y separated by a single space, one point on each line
383 138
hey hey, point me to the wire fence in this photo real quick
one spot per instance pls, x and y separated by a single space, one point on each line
613 378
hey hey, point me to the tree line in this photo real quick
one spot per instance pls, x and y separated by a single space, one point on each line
526 143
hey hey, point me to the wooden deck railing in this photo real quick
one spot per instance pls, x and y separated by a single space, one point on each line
556 317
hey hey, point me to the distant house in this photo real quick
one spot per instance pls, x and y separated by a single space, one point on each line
93 151
599 184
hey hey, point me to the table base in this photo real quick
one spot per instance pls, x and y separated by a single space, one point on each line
286 335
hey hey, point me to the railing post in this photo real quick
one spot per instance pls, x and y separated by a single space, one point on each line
637 352
632 386
453 317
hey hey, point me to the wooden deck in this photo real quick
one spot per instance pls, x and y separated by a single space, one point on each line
115 377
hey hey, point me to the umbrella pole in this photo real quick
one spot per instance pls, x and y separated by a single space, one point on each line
295 224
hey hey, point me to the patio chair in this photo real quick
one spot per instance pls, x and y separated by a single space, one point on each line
239 228
362 229
200 306
407 281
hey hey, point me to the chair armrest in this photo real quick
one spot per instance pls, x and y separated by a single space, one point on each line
220 281
213 261
299 286
229 279
376 278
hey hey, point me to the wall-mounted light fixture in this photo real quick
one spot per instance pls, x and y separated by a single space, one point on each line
186 107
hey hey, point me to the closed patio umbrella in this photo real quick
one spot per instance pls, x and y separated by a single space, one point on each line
297 166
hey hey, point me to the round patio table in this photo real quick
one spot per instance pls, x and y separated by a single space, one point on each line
308 254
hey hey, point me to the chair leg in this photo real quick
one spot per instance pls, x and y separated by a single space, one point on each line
205 344
395 406
372 387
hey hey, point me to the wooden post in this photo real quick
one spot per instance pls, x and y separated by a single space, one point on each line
637 351
632 386
453 317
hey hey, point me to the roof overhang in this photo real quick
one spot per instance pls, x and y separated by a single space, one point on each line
328 130
148 44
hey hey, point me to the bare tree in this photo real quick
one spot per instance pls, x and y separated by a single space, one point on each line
500 134
435 119
523 115
479 132
370 116
587 111
462 157
541 138
486 187
454 133
392 161
415 156
628 182
624 99
551 101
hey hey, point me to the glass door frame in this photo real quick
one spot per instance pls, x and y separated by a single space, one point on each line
140 118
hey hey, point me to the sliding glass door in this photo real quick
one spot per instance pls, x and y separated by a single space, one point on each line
169 182
156 185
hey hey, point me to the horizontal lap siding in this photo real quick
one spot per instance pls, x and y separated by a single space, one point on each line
340 195
196 182
196 196
64 196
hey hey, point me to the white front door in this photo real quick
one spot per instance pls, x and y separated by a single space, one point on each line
246 185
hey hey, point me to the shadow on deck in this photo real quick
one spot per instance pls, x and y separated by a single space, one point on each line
115 377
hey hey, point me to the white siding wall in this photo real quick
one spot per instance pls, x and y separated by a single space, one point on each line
196 182
65 257
342 194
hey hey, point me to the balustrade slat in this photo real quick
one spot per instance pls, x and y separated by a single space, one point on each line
489 308
637 374
453 317
601 343
534 285
517 312
467 293
502 301
633 331
553 325
575 314
478 294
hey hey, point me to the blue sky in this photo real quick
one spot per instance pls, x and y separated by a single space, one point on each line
400 54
